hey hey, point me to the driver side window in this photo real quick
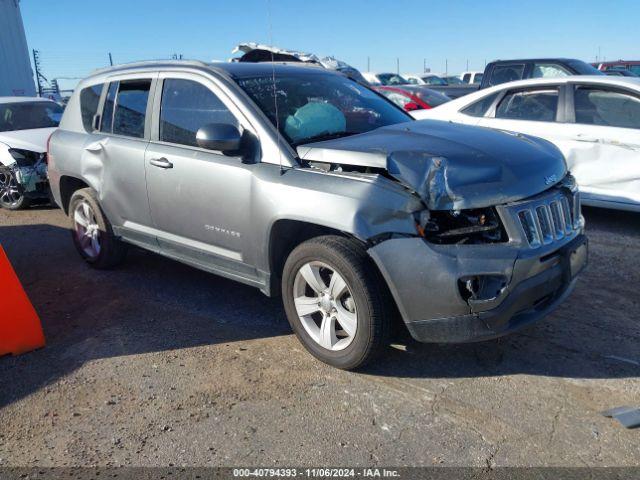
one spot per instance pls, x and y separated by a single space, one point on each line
185 107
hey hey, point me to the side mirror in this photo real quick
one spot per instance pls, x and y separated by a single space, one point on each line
219 136
410 106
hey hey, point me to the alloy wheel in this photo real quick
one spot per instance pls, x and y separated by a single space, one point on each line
87 230
10 194
325 305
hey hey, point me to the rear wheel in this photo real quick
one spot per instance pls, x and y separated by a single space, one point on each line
11 194
92 232
335 301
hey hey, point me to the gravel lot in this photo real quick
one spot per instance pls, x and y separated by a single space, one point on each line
156 363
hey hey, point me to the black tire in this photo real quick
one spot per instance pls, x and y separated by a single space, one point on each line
112 250
8 180
372 300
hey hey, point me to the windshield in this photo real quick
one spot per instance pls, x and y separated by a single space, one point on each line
392 79
454 81
28 115
317 106
583 68
434 80
431 97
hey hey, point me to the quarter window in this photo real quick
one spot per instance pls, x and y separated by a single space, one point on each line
535 105
186 106
597 106
506 73
480 107
131 108
89 100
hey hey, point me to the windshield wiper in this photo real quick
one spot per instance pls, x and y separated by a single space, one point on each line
324 136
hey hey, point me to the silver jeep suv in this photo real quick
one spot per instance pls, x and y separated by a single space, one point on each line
304 183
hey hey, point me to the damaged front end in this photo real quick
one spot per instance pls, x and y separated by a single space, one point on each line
499 240
24 175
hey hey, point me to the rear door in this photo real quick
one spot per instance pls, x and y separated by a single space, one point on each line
114 154
200 199
603 144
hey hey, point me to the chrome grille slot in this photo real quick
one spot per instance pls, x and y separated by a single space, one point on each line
557 217
544 219
549 217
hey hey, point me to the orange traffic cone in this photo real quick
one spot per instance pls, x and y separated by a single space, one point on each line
20 329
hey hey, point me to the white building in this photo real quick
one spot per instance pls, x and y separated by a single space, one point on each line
16 76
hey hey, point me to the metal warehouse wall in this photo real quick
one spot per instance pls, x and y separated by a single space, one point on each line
16 76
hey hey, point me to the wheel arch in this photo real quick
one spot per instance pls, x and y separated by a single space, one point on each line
285 235
68 186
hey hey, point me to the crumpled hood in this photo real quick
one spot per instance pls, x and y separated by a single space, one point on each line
34 140
451 166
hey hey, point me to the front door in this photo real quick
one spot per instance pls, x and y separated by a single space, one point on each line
200 199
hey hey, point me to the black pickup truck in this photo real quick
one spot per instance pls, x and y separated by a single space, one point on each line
502 71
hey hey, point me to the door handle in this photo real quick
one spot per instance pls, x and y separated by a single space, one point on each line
161 162
585 138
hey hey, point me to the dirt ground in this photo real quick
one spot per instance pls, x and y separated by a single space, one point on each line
158 364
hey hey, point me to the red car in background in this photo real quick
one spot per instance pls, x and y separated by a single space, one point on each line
413 97
631 65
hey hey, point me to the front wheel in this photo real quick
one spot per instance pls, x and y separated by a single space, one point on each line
11 194
336 302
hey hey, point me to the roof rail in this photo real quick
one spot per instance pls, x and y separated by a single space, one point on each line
150 63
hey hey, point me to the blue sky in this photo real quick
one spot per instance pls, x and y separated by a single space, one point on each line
75 36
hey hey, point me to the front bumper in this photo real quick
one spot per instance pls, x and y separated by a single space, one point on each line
424 280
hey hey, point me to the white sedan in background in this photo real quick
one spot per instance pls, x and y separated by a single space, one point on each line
594 121
25 126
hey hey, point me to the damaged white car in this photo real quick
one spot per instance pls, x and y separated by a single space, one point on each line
594 121
25 126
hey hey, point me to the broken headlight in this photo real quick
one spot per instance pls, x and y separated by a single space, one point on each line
473 226
26 158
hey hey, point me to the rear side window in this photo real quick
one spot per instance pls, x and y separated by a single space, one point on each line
480 107
534 105
598 106
89 100
466 78
131 108
186 106
506 73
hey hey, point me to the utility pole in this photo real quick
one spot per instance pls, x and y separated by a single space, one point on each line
110 59
36 64
368 64
446 67
424 65
467 65
398 65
